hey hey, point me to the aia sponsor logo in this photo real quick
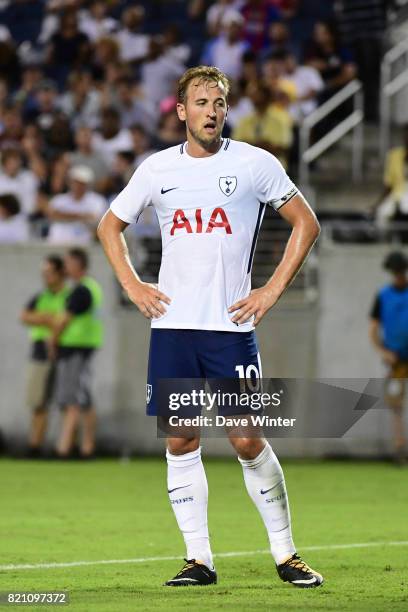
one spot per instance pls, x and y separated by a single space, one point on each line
218 220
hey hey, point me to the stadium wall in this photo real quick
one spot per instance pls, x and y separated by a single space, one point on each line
328 340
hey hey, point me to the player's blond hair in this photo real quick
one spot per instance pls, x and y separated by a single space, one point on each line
203 74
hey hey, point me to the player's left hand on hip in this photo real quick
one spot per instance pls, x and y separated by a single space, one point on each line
256 304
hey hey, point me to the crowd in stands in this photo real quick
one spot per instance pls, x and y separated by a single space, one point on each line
87 91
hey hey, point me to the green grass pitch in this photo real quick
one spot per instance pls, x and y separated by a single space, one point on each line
54 512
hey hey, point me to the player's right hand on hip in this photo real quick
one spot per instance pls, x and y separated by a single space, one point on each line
148 299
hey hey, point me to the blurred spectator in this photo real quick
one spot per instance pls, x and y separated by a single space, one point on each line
279 39
112 138
226 50
59 136
77 334
258 15
389 336
86 155
218 11
333 61
106 52
38 315
68 47
274 76
81 102
395 172
267 127
95 22
5 35
58 179
308 84
16 180
239 105
43 110
75 215
123 169
13 224
173 45
4 94
133 43
31 77
197 9
9 63
132 106
141 144
250 70
53 12
158 72
11 127
32 145
171 131
393 203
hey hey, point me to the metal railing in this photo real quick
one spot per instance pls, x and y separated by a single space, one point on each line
308 153
390 86
374 231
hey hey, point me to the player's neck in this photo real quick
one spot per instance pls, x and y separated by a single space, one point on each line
196 149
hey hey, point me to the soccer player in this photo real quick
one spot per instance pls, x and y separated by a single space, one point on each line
210 195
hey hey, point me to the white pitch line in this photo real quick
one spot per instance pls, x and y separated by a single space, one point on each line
226 554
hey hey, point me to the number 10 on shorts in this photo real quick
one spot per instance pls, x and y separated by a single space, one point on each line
249 377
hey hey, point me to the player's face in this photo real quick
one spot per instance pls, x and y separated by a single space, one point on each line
204 111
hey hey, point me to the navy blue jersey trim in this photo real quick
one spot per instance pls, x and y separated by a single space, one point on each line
289 199
182 148
227 144
256 233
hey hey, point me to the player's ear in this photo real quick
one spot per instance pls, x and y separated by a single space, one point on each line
181 111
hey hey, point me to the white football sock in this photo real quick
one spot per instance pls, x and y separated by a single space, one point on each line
188 493
265 484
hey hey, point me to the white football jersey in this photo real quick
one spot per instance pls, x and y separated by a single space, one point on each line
210 210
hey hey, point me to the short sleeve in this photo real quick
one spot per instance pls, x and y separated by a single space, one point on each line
375 312
271 183
135 197
32 304
79 301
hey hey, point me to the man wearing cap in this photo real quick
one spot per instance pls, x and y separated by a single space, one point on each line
74 215
389 335
227 50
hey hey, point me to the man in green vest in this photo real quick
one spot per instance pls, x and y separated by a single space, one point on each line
78 333
39 314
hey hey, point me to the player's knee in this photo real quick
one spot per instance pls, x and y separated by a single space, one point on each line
248 448
181 446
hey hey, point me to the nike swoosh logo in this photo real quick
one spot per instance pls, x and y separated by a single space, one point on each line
163 191
177 488
267 490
